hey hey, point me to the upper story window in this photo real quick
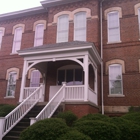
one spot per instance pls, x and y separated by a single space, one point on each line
2 30
80 26
113 26
139 18
17 39
115 79
62 28
39 35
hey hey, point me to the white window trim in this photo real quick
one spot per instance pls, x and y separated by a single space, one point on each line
44 22
2 29
139 19
65 30
36 35
8 85
84 27
15 40
110 42
116 95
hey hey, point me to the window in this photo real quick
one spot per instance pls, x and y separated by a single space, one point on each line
70 76
11 86
17 39
80 26
1 34
62 28
39 34
113 27
115 79
35 78
139 18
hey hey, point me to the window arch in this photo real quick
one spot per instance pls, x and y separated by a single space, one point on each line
115 61
12 76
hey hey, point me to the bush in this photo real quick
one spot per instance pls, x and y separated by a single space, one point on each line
93 117
48 129
5 109
98 130
135 117
134 109
74 135
68 116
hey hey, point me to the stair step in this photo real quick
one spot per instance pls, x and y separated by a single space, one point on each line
10 138
19 128
25 124
14 133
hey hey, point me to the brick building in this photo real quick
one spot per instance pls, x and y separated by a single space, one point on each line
91 45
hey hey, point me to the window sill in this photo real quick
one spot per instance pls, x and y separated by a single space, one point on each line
13 53
9 97
114 42
116 95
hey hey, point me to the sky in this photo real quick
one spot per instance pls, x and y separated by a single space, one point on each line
7 6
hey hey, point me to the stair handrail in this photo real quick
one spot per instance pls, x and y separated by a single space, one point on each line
19 112
51 107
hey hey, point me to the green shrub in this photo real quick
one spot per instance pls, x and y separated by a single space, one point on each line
74 135
134 109
48 129
98 130
5 109
68 116
93 117
135 117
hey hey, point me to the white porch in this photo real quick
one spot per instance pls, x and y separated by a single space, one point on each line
83 53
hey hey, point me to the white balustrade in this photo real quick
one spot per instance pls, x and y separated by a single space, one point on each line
8 122
28 91
92 96
74 93
51 107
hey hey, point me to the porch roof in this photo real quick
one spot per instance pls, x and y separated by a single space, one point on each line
62 47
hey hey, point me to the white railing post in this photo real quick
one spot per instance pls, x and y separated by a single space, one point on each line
23 81
41 93
2 120
64 84
32 121
86 77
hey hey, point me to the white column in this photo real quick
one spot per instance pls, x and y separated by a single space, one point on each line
86 67
23 81
95 82
2 120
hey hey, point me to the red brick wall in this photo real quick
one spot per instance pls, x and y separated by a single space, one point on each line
81 110
128 50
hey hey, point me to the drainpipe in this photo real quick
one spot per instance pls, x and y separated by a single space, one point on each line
101 27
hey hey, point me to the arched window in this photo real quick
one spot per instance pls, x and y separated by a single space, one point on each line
80 26
39 34
115 79
113 26
62 28
2 30
11 86
17 39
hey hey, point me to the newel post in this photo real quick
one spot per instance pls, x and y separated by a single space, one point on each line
2 120
41 94
86 64
32 121
64 84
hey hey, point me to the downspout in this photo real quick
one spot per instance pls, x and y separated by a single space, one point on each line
101 27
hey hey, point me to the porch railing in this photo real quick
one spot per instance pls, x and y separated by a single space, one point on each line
92 96
51 107
8 122
74 93
28 91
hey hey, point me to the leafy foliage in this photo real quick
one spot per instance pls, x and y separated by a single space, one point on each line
68 116
48 129
5 109
98 130
74 135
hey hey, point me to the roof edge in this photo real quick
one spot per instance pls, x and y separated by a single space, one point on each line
26 12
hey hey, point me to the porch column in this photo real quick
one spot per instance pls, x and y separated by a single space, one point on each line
23 81
86 67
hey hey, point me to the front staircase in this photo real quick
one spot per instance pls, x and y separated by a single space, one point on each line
23 124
